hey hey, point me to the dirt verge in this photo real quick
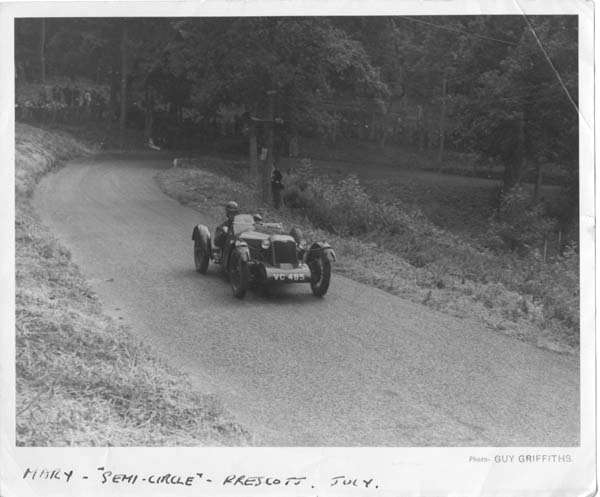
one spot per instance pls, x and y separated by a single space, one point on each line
82 379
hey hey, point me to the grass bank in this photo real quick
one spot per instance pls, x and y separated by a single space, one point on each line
397 249
82 379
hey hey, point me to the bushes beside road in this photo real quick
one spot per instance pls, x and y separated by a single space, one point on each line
82 379
544 291
396 248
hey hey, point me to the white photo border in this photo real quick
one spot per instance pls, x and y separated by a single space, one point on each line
401 471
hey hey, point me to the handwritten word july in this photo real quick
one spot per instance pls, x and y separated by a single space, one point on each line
347 481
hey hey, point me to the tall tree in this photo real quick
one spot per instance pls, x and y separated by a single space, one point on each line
124 75
43 50
309 61
523 111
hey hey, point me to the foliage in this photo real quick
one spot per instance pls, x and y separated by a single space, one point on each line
511 80
510 93
522 109
520 223
343 207
306 60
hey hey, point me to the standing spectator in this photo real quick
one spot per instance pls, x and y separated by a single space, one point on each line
56 94
276 187
87 103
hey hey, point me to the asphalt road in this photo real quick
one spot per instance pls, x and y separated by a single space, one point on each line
357 368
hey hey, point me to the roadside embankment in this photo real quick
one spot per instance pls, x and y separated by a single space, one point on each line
402 252
81 378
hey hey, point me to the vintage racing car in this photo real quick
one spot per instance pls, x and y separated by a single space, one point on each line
254 252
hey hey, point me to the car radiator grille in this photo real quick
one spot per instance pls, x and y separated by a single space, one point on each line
285 253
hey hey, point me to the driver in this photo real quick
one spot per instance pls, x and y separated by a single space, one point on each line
231 210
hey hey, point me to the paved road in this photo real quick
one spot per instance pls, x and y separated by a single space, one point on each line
359 367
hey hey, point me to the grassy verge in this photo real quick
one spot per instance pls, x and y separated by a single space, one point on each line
82 379
399 250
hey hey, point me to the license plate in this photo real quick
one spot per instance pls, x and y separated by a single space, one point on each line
288 276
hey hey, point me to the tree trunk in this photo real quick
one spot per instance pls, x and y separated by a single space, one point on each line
513 170
267 165
442 128
383 136
538 181
334 129
43 52
294 148
420 129
123 113
373 128
149 117
113 103
252 150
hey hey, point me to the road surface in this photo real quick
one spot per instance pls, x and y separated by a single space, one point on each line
358 368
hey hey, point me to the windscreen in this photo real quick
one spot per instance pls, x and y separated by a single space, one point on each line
242 222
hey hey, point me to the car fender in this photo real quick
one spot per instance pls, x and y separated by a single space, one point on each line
320 249
329 253
242 250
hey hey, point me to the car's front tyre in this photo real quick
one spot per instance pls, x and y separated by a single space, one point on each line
320 275
239 275
201 257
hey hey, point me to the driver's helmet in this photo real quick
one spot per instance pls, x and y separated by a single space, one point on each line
231 209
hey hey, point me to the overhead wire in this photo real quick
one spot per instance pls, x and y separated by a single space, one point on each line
557 74
453 30
527 97
506 42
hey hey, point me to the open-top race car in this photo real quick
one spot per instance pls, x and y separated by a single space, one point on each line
253 252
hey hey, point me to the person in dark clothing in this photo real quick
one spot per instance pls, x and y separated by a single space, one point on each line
231 210
276 187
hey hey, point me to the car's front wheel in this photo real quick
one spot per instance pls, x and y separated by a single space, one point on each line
238 275
320 275
201 257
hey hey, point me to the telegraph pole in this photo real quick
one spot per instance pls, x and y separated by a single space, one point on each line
261 167
267 165
123 114
43 52
440 157
252 152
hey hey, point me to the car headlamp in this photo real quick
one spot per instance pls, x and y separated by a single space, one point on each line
265 244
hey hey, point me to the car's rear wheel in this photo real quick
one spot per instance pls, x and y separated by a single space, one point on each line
320 275
238 275
201 257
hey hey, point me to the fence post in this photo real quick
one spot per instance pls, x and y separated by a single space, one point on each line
560 242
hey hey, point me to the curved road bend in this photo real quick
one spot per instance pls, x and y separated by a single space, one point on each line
357 368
